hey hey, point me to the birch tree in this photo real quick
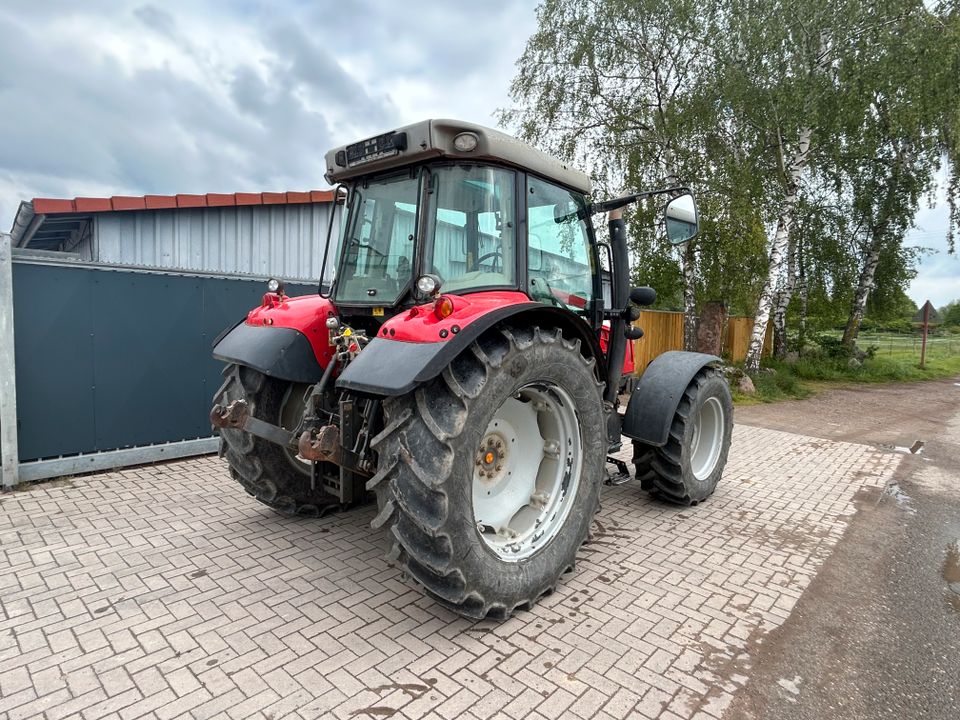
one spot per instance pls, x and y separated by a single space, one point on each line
891 156
605 83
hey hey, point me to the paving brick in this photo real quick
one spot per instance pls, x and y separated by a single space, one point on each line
164 591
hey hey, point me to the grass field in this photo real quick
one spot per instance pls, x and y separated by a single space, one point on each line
896 358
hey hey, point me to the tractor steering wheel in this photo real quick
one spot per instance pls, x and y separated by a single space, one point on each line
545 296
496 255
368 246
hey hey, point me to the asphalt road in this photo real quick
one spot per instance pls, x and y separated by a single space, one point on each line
877 633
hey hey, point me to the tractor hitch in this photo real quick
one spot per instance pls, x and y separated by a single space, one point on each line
324 445
237 415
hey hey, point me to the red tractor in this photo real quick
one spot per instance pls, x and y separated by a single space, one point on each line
458 367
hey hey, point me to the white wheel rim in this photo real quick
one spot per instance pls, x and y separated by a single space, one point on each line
707 439
527 470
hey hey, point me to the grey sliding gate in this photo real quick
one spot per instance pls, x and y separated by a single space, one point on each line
113 363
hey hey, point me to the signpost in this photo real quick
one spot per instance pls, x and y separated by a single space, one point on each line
927 309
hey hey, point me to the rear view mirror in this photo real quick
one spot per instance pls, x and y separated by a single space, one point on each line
680 218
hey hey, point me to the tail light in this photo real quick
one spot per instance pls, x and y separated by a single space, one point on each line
443 308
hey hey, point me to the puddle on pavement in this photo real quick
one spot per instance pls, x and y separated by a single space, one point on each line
951 572
894 491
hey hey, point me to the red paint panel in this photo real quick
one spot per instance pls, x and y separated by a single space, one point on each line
92 204
308 314
274 198
321 196
125 202
421 324
52 206
248 199
191 201
298 197
159 202
220 199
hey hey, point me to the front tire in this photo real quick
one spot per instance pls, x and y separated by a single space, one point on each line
489 475
273 475
687 469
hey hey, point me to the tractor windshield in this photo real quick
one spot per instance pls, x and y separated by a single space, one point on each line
470 230
471 227
377 249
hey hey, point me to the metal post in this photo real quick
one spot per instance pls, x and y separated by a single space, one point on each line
926 324
8 374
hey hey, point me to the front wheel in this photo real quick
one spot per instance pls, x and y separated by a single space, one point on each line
489 475
687 469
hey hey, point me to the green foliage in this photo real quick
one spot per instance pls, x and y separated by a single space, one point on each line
716 94
950 314
818 371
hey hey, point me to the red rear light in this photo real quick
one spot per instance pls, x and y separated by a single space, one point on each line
443 308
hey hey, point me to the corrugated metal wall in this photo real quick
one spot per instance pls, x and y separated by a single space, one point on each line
263 240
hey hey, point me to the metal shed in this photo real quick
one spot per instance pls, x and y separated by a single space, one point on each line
113 306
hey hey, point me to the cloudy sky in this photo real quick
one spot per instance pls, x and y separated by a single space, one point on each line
112 98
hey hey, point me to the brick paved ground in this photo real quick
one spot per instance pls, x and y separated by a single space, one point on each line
164 591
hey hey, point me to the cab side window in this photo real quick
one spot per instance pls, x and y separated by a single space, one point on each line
559 257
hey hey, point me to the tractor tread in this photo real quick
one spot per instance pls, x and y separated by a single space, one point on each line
258 465
414 494
660 470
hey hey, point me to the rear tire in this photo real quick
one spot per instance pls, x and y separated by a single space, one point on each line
270 473
687 469
430 466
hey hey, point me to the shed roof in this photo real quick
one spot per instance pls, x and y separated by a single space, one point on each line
49 222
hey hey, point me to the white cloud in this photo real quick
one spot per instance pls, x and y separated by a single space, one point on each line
102 98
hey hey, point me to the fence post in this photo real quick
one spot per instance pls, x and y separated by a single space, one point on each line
8 373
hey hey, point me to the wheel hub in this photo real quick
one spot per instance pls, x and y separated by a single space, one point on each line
491 457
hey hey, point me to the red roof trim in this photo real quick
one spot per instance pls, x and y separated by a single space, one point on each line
49 206
120 202
190 201
92 204
159 202
58 206
274 198
220 199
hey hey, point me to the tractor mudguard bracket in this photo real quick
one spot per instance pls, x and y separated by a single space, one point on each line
658 393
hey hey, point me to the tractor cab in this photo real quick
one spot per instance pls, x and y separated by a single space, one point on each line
451 207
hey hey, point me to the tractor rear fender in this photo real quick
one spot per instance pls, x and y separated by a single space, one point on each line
285 338
658 393
391 367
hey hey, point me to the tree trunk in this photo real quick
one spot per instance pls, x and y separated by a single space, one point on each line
804 291
777 251
689 298
852 330
783 302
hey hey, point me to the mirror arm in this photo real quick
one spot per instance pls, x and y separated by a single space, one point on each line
616 203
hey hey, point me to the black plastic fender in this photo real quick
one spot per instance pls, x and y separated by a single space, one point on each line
655 400
279 352
392 367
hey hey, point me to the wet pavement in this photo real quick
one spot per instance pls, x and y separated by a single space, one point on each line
877 633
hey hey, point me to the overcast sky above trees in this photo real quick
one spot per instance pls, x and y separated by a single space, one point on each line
104 98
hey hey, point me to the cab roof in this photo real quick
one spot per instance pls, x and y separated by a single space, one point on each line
431 139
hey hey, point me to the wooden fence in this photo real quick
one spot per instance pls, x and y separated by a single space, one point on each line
663 331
